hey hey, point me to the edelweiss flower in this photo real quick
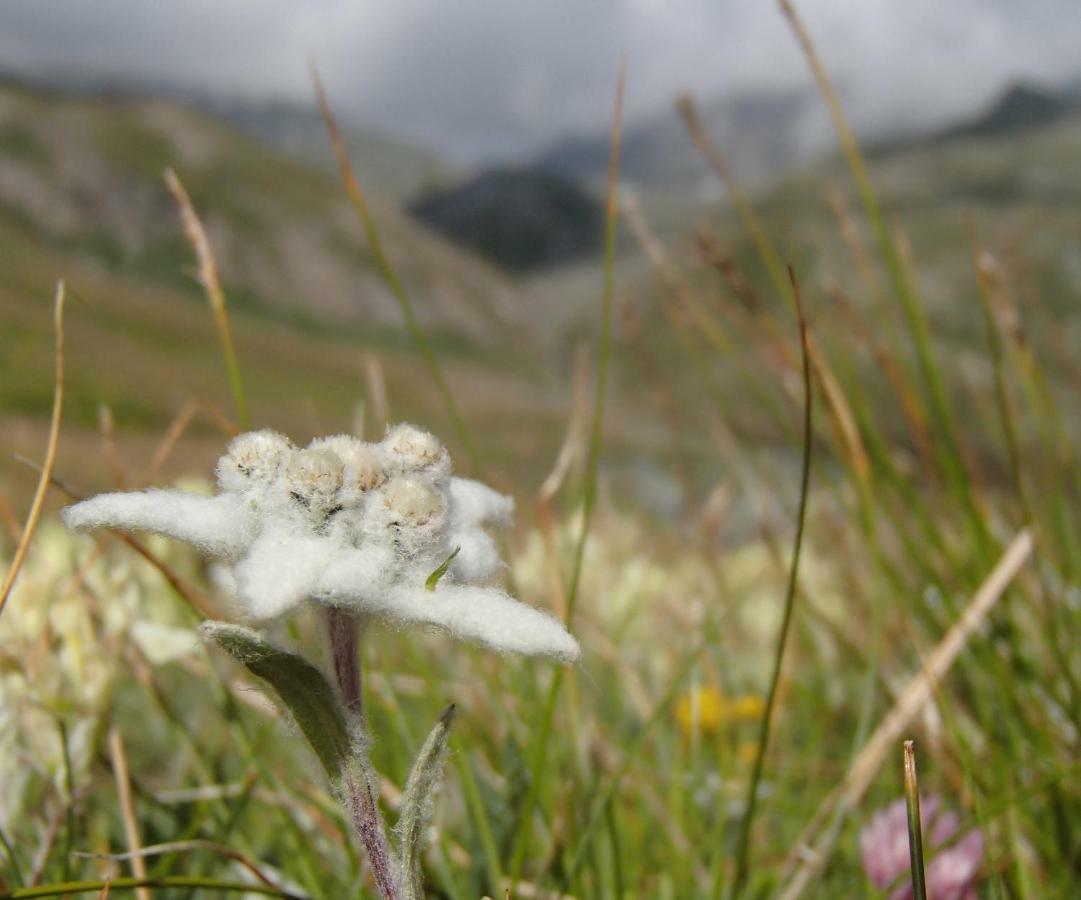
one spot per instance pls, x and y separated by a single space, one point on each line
349 524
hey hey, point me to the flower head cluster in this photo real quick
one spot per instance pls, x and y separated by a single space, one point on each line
951 873
357 525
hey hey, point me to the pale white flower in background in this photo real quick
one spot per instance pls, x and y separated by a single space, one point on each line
349 524
62 636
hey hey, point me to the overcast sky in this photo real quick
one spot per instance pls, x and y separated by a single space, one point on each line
487 78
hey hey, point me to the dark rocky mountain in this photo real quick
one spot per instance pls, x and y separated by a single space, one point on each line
521 219
1021 106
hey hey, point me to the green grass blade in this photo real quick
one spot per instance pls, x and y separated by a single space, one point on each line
742 852
126 884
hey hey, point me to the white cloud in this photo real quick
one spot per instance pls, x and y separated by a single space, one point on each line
480 77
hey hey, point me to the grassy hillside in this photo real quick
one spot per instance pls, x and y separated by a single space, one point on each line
85 175
82 198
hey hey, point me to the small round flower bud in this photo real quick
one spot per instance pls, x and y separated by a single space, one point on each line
365 468
314 478
410 449
253 460
413 501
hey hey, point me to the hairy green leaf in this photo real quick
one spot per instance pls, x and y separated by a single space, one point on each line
299 685
417 803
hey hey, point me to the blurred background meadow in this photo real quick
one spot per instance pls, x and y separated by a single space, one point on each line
628 365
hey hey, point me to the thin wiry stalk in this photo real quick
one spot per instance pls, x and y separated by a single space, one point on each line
50 455
589 499
127 809
742 852
390 274
126 884
211 282
183 846
915 827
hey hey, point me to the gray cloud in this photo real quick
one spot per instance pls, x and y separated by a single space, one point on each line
502 77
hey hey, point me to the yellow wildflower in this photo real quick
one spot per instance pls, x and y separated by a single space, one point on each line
705 710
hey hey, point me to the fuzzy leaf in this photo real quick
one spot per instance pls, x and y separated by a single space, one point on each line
417 804
299 685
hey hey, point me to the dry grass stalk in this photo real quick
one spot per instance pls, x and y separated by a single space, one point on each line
50 454
169 440
211 282
127 809
107 429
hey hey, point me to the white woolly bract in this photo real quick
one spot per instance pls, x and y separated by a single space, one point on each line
221 526
486 616
477 558
474 503
280 570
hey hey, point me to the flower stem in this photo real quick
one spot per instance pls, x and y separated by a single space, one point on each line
358 788
343 634
360 805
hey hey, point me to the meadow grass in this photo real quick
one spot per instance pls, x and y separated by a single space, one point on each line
591 782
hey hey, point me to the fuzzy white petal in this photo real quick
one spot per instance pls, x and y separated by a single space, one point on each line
485 616
280 571
478 557
474 503
220 526
356 576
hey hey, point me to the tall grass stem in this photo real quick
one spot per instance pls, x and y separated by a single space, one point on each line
742 850
915 827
